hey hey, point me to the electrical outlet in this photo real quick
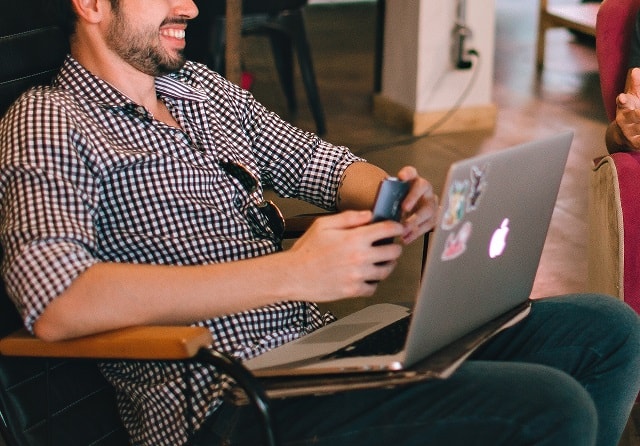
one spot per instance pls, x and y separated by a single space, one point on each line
458 51
459 35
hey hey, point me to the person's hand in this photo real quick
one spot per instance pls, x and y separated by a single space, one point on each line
628 112
420 207
336 257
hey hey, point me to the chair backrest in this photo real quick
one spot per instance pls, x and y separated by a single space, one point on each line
32 47
614 26
45 401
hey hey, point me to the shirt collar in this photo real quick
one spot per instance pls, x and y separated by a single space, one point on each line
180 86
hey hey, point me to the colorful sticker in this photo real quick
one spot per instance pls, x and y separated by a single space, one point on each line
456 204
456 244
478 184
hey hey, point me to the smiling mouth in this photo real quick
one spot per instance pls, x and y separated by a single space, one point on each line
173 33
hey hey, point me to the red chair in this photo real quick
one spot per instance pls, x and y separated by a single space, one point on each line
614 210
614 27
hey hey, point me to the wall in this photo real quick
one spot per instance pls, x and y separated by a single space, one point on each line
420 84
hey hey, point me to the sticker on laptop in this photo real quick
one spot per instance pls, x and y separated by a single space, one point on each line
457 203
478 185
464 196
456 243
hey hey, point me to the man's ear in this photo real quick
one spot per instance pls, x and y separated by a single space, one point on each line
91 11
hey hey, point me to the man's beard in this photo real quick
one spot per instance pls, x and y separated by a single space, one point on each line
139 50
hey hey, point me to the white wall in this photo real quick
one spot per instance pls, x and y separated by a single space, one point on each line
418 72
419 79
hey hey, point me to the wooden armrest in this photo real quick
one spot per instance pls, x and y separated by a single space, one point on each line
152 342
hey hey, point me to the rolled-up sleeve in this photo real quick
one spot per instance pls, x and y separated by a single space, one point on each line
296 163
45 224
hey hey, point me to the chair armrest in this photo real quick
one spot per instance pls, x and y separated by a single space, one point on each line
150 342
605 248
147 343
614 235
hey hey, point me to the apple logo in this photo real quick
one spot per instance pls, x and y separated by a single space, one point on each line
499 239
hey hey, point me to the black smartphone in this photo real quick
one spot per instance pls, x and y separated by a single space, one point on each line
388 203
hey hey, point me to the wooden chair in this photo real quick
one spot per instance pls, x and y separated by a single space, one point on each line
52 393
578 17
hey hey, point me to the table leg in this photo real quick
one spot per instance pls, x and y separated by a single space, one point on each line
233 70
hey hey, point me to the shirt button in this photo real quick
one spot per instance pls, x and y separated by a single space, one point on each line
140 109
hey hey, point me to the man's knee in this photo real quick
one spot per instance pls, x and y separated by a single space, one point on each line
520 403
566 411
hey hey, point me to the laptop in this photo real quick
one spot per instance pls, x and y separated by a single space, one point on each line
482 261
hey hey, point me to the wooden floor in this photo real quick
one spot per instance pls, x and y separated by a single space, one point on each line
531 104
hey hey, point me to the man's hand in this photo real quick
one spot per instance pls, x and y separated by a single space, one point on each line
336 257
420 207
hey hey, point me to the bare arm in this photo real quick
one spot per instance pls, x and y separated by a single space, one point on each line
359 185
335 259
358 189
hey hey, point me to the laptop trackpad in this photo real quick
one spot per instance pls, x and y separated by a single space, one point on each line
338 333
332 337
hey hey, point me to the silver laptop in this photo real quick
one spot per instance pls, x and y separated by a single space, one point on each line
482 261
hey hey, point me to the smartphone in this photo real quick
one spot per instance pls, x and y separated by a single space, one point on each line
388 203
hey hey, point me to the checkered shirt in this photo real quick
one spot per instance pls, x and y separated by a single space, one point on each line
87 176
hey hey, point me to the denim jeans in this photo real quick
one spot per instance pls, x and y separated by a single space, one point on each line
566 375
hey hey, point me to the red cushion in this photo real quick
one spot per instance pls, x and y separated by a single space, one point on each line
628 169
614 26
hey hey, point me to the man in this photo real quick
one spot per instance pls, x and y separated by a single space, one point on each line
131 194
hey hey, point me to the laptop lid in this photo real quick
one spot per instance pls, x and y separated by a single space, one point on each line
482 261
484 254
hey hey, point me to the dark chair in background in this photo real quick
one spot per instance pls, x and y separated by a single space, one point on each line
283 22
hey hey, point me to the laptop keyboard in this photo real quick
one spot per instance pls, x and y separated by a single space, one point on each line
388 340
